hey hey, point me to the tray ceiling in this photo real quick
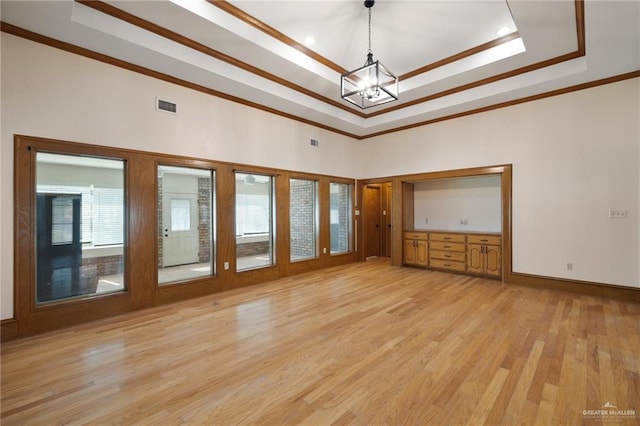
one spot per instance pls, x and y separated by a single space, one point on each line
449 55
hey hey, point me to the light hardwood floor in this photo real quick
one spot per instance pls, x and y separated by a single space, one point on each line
366 343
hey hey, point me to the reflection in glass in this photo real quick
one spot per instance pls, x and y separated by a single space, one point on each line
254 221
185 223
340 217
303 218
80 226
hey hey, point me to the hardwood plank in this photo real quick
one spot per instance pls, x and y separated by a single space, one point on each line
365 343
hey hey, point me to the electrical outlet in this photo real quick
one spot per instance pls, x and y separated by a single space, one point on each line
617 214
426 220
569 266
226 266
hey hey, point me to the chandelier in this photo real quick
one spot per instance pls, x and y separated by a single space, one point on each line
372 84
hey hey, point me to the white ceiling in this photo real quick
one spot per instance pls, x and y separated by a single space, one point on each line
447 53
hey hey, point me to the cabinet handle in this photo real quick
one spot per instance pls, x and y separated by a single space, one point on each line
484 241
447 246
447 255
446 238
447 264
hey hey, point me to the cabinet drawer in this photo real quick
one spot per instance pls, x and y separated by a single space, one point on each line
454 238
447 264
446 246
416 236
457 256
492 240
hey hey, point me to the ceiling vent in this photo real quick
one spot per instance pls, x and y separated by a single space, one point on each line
167 106
315 142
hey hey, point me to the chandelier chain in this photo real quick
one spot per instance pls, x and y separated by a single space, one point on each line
369 30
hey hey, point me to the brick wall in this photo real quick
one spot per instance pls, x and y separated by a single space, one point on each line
105 265
340 232
253 248
204 220
302 218
159 221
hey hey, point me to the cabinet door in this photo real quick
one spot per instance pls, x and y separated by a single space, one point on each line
493 261
409 252
422 253
475 259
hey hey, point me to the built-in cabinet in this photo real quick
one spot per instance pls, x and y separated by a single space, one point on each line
448 251
416 249
458 217
472 253
485 255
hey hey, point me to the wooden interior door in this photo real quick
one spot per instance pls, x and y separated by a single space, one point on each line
371 220
385 244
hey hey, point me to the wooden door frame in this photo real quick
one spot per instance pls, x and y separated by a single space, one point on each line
402 210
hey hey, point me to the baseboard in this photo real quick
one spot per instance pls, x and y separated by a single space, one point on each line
9 329
627 294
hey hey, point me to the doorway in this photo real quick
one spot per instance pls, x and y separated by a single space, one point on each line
179 219
377 220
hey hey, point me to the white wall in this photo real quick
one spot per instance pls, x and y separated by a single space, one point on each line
54 94
574 157
443 204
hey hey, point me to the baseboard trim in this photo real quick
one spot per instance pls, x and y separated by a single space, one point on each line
628 294
8 329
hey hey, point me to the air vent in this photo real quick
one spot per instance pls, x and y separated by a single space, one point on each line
315 142
163 105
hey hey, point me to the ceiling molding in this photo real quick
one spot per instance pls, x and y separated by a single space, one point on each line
238 13
464 54
71 48
164 32
185 41
579 52
549 94
256 23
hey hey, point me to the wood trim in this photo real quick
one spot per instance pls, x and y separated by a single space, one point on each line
506 185
9 329
453 173
185 41
478 83
245 17
459 56
141 265
609 291
552 93
272 32
402 206
38 38
403 184
67 47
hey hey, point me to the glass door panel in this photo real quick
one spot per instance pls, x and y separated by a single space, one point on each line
80 226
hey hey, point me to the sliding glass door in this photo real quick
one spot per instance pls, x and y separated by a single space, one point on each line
80 233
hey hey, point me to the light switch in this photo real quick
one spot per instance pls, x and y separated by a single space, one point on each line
617 214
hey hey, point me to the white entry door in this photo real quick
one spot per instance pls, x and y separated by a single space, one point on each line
179 220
